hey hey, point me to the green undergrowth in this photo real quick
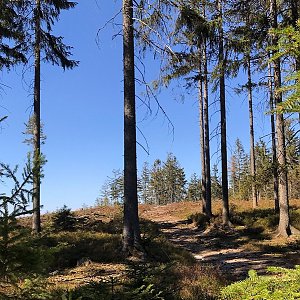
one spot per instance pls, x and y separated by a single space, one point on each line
170 281
264 218
282 284
167 273
256 221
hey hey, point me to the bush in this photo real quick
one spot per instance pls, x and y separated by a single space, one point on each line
200 220
283 284
295 218
64 220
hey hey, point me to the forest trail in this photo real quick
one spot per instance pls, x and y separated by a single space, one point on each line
234 252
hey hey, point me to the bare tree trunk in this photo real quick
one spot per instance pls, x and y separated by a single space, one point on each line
284 219
202 150
225 198
206 128
274 149
36 198
131 229
252 153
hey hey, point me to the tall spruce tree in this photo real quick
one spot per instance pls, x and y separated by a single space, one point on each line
146 192
284 227
194 31
45 14
174 180
194 188
131 229
273 137
222 91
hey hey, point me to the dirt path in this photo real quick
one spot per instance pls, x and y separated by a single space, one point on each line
234 252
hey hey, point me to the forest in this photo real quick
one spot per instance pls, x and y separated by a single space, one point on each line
229 231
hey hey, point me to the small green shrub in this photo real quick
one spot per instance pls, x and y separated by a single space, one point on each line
283 284
199 219
264 218
64 220
98 247
295 218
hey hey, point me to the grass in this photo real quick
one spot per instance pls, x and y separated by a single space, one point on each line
169 272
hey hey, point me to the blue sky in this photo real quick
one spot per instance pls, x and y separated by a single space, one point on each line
82 114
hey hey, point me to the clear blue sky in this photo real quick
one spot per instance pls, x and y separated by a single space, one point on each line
82 114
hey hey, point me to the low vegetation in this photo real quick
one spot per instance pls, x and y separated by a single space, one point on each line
281 284
78 256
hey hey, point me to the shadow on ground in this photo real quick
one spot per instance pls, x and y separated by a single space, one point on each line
234 251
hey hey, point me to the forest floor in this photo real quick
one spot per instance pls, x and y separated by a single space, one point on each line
234 251
91 252
231 252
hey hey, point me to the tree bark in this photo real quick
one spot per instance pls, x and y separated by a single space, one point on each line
36 198
206 128
202 151
251 125
274 150
284 219
225 198
131 229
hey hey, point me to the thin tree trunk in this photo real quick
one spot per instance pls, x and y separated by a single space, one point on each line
274 150
225 198
251 125
206 128
202 151
36 198
284 219
131 229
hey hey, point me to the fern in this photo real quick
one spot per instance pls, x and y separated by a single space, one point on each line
281 284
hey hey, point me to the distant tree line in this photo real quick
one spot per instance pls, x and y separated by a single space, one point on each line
241 180
165 182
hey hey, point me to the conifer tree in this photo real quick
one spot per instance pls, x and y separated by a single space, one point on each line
131 229
12 37
45 13
194 188
222 69
284 227
146 192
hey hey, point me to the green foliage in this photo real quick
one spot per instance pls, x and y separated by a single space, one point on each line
257 218
216 187
64 220
194 192
12 38
288 46
11 233
98 247
283 284
295 218
34 289
167 181
163 183
240 173
200 220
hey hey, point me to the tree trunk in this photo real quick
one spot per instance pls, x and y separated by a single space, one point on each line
274 150
202 150
284 219
225 198
206 129
251 125
36 198
131 229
